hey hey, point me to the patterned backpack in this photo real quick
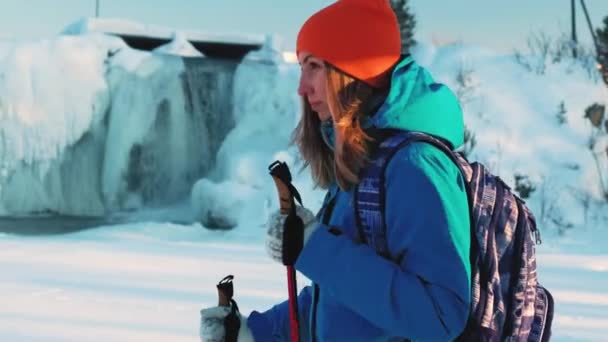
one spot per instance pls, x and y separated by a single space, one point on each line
507 302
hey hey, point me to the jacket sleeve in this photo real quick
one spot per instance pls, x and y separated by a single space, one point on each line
274 325
424 292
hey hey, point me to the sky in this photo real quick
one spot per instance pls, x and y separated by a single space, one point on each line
500 25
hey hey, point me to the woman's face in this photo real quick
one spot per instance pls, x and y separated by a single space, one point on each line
313 84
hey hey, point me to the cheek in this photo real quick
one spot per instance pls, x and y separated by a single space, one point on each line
320 85
321 88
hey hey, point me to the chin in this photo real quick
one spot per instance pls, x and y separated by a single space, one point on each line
324 117
323 114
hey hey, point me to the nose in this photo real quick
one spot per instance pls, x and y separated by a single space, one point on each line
304 87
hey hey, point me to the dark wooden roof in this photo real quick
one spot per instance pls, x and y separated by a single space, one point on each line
212 49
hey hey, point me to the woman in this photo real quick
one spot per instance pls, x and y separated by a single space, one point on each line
355 85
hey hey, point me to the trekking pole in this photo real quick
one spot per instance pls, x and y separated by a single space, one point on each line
286 191
232 323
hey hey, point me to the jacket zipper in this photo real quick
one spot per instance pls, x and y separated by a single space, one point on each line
313 318
325 218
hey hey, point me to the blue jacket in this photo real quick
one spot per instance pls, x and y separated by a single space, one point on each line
423 291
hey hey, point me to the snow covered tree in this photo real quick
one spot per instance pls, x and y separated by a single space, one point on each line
598 143
407 23
524 186
561 113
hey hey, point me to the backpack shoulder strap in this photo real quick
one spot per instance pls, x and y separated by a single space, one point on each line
369 193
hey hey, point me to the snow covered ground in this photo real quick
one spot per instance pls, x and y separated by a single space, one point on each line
141 282
147 280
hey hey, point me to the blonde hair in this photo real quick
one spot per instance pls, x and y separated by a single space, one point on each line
346 98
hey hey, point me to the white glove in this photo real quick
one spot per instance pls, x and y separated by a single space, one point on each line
275 233
212 325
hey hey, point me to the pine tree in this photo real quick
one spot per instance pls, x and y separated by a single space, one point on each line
602 58
407 23
602 34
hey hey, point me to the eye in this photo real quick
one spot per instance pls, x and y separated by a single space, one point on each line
311 65
314 65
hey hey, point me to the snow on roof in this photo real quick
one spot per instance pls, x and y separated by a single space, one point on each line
180 46
128 27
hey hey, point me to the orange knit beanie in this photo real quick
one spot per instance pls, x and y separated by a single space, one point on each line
359 37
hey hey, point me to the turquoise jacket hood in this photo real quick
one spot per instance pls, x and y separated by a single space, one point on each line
416 102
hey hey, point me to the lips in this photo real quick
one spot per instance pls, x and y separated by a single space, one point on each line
315 104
